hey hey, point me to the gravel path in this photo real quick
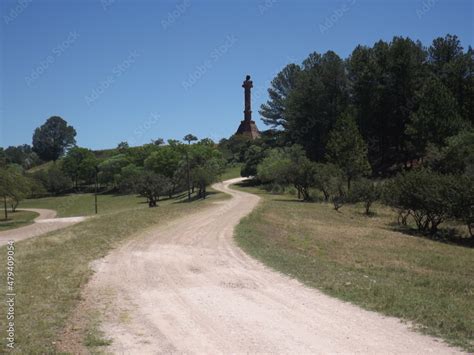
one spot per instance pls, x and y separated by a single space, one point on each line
44 223
187 288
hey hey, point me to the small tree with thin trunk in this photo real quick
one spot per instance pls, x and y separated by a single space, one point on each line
152 186
365 191
325 178
6 184
346 148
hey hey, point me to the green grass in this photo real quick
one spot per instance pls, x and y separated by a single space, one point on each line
365 261
83 204
50 270
16 219
41 167
231 172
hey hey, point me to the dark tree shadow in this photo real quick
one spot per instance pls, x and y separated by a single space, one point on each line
196 197
247 183
444 235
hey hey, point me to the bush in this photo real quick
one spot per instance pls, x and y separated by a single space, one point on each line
274 188
253 156
152 186
425 195
365 191
327 178
462 202
288 166
53 179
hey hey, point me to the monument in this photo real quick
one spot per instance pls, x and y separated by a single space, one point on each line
247 126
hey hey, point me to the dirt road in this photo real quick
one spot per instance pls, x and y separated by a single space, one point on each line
44 223
186 287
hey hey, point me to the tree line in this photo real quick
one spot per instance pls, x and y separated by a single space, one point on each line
404 98
152 170
391 123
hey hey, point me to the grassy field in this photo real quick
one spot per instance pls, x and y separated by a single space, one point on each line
50 270
365 261
231 172
16 219
83 204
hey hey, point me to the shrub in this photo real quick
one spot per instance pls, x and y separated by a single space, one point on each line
423 194
366 191
462 201
337 190
327 179
288 166
152 186
53 179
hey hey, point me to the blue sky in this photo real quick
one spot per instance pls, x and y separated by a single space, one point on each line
137 70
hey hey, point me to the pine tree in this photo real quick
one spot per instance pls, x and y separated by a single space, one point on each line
347 149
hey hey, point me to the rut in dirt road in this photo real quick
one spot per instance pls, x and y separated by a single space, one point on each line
186 287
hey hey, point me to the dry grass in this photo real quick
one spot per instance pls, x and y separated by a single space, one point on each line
365 261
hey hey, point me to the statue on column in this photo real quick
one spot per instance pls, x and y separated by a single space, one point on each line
247 126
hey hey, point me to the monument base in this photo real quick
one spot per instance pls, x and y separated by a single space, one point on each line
248 128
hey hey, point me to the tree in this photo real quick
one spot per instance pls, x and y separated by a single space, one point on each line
234 148
457 157
346 148
206 174
79 163
436 118
462 201
319 97
21 189
6 185
3 158
288 166
273 111
53 179
57 181
166 161
138 155
253 156
158 141
129 177
275 167
384 79
22 155
301 173
205 164
190 138
152 186
366 191
424 195
53 138
109 170
454 68
327 178
122 147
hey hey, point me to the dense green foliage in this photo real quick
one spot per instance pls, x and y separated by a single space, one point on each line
404 97
367 192
53 138
431 198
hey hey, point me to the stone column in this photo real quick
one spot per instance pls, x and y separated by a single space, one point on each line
248 85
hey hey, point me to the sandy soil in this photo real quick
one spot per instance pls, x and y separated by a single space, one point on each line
187 288
44 223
